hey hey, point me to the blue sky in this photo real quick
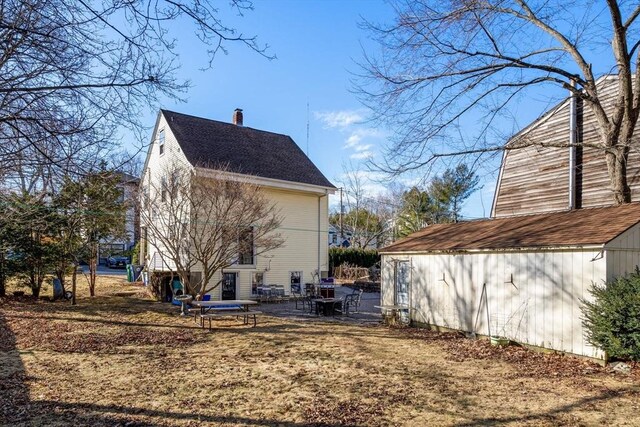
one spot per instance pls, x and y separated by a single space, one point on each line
316 44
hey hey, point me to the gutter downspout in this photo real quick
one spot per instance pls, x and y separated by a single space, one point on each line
573 121
319 232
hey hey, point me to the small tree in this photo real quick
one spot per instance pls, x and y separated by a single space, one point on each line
28 235
103 215
207 222
367 217
612 319
440 203
452 188
365 226
71 243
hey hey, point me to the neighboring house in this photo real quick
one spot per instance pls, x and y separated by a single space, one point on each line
522 277
118 245
539 178
523 273
273 161
339 239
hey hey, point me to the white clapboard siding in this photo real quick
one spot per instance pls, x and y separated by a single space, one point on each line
299 229
304 228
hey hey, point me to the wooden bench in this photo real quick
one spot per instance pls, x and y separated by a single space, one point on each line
229 312
198 312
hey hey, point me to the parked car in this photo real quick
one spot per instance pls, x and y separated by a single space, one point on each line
117 261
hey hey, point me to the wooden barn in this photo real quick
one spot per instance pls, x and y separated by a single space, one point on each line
519 277
557 162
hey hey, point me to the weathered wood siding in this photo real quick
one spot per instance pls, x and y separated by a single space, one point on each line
531 297
535 179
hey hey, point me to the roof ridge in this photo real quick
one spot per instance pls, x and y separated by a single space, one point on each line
222 123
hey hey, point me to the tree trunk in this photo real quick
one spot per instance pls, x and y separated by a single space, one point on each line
3 277
617 168
74 277
36 286
60 273
93 267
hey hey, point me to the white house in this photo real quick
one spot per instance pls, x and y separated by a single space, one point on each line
520 277
128 185
273 161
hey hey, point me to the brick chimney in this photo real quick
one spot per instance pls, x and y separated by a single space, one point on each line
237 117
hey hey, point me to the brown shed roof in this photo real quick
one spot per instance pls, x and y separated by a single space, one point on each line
558 229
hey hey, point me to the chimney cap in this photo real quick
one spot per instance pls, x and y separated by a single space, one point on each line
238 109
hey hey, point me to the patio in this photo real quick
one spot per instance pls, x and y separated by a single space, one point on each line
367 313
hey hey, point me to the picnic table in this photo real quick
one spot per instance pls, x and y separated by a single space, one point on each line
237 308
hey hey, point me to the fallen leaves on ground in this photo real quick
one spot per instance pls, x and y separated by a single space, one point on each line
528 363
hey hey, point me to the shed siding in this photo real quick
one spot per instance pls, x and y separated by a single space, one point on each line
623 253
532 297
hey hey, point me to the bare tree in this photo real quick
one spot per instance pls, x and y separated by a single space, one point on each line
444 62
207 224
367 216
73 73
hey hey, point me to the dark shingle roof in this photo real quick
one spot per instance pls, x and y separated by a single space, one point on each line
243 150
593 226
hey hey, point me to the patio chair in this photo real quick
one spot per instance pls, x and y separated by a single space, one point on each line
350 303
305 301
309 289
354 301
296 294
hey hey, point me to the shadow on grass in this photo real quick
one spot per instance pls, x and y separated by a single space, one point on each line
308 328
553 416
97 415
14 391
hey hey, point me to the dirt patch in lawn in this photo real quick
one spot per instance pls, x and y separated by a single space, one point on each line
122 359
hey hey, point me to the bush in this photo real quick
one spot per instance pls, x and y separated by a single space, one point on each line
135 254
356 257
612 320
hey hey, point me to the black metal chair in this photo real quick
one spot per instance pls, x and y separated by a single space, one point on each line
350 303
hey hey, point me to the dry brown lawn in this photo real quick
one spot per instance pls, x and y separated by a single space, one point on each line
122 359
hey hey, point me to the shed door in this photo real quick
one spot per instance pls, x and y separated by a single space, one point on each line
402 283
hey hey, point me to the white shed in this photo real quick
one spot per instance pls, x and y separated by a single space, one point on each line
518 277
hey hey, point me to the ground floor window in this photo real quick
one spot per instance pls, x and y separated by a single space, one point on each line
257 280
296 281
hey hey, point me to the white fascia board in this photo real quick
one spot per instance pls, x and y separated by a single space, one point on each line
264 182
474 251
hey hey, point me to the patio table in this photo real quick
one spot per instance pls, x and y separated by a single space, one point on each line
237 308
242 304
327 305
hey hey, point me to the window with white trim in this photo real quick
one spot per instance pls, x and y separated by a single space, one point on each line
161 141
245 247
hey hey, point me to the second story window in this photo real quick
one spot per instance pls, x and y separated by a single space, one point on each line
245 247
161 141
